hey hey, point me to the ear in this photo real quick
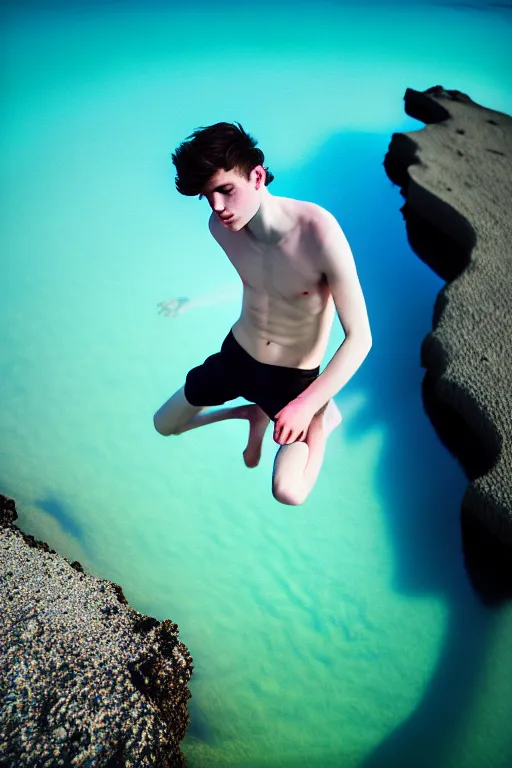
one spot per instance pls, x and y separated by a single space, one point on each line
260 175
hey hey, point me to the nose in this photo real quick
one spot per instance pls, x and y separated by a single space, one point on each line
220 210
217 203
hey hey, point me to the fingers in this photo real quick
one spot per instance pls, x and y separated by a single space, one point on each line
168 308
289 438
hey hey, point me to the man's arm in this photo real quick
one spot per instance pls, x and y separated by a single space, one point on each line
181 304
337 264
228 292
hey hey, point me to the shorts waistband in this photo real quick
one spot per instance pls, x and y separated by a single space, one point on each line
235 345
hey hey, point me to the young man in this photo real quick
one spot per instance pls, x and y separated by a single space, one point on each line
297 270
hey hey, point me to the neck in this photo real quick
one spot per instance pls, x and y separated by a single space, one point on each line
269 224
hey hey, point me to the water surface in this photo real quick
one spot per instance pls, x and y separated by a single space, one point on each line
340 633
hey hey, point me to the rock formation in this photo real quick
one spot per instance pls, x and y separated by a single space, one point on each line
85 679
456 176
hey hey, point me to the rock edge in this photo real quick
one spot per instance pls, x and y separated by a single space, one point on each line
456 176
85 680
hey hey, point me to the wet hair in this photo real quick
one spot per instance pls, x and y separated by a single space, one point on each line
208 149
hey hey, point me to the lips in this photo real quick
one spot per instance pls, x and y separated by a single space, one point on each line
227 218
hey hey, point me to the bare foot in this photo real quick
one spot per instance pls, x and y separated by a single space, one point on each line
258 423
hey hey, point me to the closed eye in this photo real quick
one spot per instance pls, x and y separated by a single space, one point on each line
224 192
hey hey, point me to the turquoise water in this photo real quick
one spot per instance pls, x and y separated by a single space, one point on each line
339 633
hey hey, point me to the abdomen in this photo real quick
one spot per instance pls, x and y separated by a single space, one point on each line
277 331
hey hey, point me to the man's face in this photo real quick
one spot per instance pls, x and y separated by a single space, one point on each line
232 195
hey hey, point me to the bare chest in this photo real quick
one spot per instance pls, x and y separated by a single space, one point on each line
287 272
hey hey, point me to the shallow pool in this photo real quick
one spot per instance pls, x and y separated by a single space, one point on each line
341 633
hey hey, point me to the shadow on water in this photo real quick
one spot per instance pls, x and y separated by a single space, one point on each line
198 727
420 485
54 507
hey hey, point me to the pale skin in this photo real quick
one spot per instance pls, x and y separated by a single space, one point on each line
297 271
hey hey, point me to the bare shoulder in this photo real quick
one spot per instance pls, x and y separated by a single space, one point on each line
328 243
320 221
314 220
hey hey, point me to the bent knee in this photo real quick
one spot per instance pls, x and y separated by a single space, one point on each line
285 495
161 427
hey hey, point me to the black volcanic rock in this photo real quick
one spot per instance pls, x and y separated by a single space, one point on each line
456 176
84 678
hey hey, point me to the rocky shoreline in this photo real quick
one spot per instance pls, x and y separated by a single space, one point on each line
85 680
456 177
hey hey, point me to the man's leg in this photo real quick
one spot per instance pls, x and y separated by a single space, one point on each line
258 423
297 465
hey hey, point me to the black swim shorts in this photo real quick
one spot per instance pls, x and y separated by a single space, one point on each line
233 373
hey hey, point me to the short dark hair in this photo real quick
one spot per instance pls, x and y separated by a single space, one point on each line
208 149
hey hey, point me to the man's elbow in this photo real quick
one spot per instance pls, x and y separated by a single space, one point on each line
367 345
367 339
363 340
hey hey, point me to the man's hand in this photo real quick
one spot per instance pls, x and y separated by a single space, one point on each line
173 307
292 422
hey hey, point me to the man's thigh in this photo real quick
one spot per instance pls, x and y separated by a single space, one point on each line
213 382
175 412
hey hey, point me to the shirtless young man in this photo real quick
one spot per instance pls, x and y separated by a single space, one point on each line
297 271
